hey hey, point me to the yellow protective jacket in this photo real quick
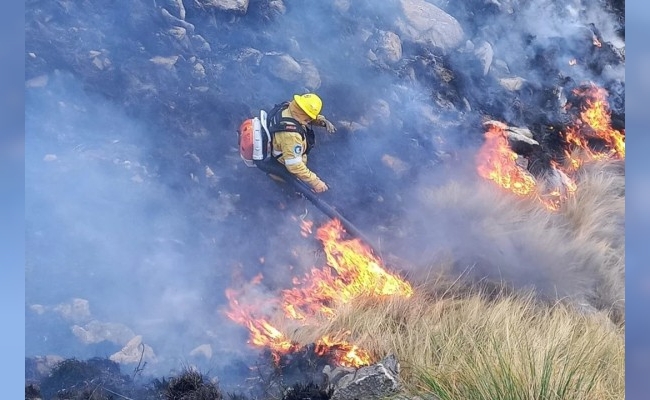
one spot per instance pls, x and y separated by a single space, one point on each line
289 148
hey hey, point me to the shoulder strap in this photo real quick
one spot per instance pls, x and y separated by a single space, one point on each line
278 108
277 122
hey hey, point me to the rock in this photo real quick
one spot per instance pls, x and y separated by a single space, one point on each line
500 68
277 7
180 34
519 132
167 62
336 373
376 381
200 44
240 6
371 56
512 84
77 310
96 331
204 350
198 71
249 55
310 75
378 112
134 352
520 139
429 25
389 47
396 164
177 21
177 7
282 66
484 53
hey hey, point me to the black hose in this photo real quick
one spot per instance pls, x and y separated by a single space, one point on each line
275 168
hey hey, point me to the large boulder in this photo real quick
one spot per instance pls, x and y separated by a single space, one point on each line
240 6
427 24
282 66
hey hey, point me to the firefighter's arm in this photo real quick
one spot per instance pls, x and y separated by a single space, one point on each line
297 167
322 121
292 155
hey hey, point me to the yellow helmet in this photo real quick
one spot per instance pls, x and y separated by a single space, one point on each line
310 103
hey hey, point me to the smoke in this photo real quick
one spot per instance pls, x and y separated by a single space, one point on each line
104 226
137 202
575 253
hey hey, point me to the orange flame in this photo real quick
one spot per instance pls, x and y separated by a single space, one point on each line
496 161
262 333
594 121
562 186
347 355
353 270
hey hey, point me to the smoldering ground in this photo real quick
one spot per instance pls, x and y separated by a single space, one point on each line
137 200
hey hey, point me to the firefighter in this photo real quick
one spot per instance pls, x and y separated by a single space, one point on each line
293 137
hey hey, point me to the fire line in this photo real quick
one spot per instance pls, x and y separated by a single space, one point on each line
496 161
352 270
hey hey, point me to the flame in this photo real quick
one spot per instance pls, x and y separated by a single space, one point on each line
347 355
352 271
596 42
306 227
262 332
594 121
496 161
561 187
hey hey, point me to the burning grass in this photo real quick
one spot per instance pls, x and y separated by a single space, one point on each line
576 252
596 217
476 338
485 335
538 310
487 347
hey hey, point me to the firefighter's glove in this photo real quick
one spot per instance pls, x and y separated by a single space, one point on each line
320 187
328 125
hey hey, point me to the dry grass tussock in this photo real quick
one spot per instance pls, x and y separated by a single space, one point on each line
494 313
475 347
595 215
576 253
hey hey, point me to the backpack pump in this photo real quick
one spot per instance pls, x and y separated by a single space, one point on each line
255 135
